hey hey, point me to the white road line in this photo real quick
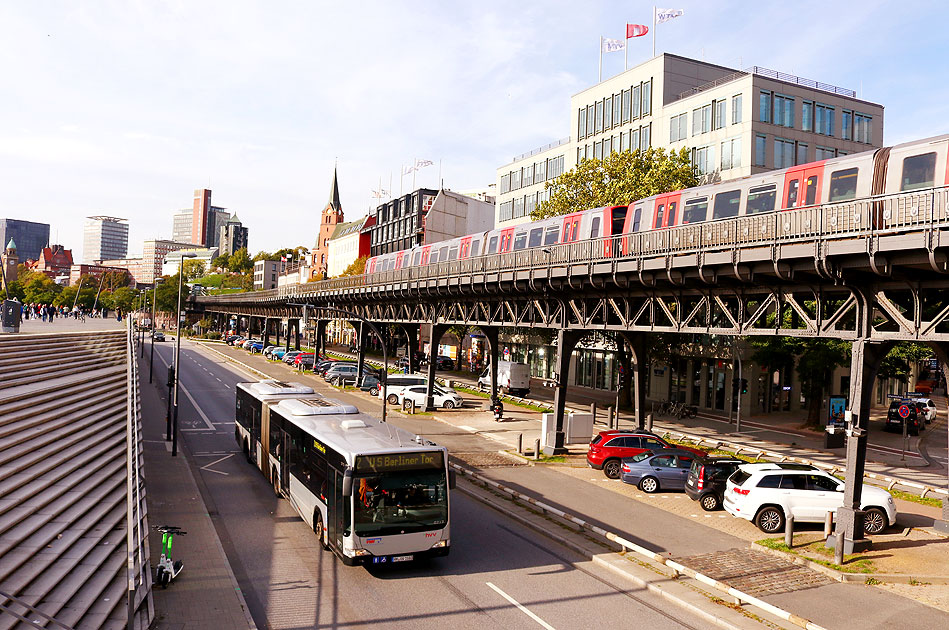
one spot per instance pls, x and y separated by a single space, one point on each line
207 421
465 427
216 461
523 609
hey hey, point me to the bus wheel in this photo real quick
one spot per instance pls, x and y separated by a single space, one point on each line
247 452
319 530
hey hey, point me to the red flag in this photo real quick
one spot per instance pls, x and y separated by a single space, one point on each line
636 30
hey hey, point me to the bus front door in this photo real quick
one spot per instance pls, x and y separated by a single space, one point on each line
335 509
284 453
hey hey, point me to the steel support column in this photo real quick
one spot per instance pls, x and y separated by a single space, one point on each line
437 330
361 331
637 349
566 342
411 336
266 332
319 343
865 359
942 353
491 334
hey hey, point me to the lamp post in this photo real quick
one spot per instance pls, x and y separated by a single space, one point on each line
144 304
174 417
151 359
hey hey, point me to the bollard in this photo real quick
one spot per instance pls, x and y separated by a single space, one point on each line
789 532
828 525
609 415
537 449
520 443
593 411
649 421
839 549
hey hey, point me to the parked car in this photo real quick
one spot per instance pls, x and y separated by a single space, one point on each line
322 367
929 409
707 478
664 469
513 378
247 344
444 363
158 336
442 397
290 356
304 360
766 494
395 383
231 340
278 353
340 370
609 448
257 346
894 421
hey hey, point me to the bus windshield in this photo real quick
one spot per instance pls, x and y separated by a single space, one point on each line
397 502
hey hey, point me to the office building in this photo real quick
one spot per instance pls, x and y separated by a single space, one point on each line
206 220
146 268
172 261
427 216
349 242
734 124
267 272
104 238
181 226
232 236
30 237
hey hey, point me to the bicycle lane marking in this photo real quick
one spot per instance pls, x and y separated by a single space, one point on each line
522 608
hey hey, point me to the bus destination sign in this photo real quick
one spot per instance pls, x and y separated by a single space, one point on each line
390 462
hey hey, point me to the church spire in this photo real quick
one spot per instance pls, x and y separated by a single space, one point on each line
334 194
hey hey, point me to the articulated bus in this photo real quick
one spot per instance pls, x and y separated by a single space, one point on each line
253 415
373 493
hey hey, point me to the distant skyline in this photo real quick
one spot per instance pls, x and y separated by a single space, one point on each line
124 108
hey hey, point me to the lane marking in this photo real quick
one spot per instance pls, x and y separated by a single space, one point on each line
465 427
217 461
523 609
207 421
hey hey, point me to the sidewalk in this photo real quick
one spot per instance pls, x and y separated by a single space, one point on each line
205 596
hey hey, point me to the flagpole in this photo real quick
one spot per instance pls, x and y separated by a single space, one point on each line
414 171
440 185
600 72
654 31
626 50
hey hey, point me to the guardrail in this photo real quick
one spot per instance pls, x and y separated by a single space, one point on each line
678 569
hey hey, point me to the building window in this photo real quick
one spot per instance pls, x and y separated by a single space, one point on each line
645 137
637 101
846 124
598 125
764 107
801 153
608 112
783 111
761 149
626 105
736 109
862 127
516 179
506 211
703 160
589 120
634 140
824 119
647 97
731 153
824 153
783 153
807 116
678 127
505 183
718 120
616 109
528 175
518 207
540 170
530 204
582 124
702 120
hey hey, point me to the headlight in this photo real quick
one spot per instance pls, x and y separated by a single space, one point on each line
440 543
361 552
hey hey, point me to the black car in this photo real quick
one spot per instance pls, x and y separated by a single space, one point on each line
894 420
444 363
158 335
706 482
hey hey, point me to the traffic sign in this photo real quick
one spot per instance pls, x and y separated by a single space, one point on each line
904 411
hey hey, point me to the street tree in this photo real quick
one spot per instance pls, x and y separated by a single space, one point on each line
193 269
240 261
356 268
621 178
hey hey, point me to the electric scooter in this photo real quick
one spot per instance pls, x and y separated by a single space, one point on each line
167 569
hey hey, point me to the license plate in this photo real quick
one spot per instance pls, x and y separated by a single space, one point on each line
401 558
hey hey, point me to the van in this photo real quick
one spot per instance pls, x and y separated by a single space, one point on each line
395 383
513 378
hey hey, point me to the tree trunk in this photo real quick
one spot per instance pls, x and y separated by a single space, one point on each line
815 397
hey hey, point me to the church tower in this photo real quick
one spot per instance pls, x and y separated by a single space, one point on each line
10 262
331 217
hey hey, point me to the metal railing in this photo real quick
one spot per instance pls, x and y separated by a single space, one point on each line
895 213
137 565
546 147
771 74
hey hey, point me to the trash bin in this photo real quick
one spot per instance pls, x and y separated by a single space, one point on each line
834 437
10 316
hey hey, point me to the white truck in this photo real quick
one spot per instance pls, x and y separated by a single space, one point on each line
513 378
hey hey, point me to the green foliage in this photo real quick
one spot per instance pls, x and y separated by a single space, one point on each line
125 299
37 287
212 280
356 268
240 261
619 179
220 262
193 269
898 362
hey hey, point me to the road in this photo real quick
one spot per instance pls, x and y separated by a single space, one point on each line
499 574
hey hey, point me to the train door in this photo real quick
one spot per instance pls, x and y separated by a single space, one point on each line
667 210
802 185
507 236
464 248
570 230
613 220
425 253
398 259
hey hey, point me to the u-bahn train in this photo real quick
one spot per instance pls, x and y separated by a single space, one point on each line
902 168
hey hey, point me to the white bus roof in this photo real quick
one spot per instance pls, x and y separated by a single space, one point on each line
314 407
351 434
267 389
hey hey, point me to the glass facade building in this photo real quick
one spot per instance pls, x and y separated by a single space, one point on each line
30 237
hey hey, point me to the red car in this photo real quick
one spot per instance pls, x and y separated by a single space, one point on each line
608 449
303 357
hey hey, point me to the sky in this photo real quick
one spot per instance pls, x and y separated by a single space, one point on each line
124 108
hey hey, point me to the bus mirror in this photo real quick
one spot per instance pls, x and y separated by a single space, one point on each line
451 479
348 482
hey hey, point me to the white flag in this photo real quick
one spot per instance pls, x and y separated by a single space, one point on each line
664 15
408 169
422 163
612 45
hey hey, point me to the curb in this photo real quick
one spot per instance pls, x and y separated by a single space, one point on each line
851 578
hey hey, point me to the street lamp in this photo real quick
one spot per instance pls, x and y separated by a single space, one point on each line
174 418
151 359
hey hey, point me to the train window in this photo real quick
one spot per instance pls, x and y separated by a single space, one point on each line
520 241
843 185
595 228
493 245
761 199
552 235
637 218
475 248
695 211
793 187
726 204
536 236
919 171
672 214
810 191
453 253
434 257
415 258
660 211
618 219
443 254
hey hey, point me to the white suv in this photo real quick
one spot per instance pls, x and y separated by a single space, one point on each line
930 409
766 493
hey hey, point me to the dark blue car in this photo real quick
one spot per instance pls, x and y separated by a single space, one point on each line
666 469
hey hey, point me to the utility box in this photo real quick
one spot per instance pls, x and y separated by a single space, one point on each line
579 428
835 436
10 316
548 429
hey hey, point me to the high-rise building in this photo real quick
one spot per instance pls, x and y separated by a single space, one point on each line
104 238
199 216
206 221
181 228
331 217
232 236
733 123
30 237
